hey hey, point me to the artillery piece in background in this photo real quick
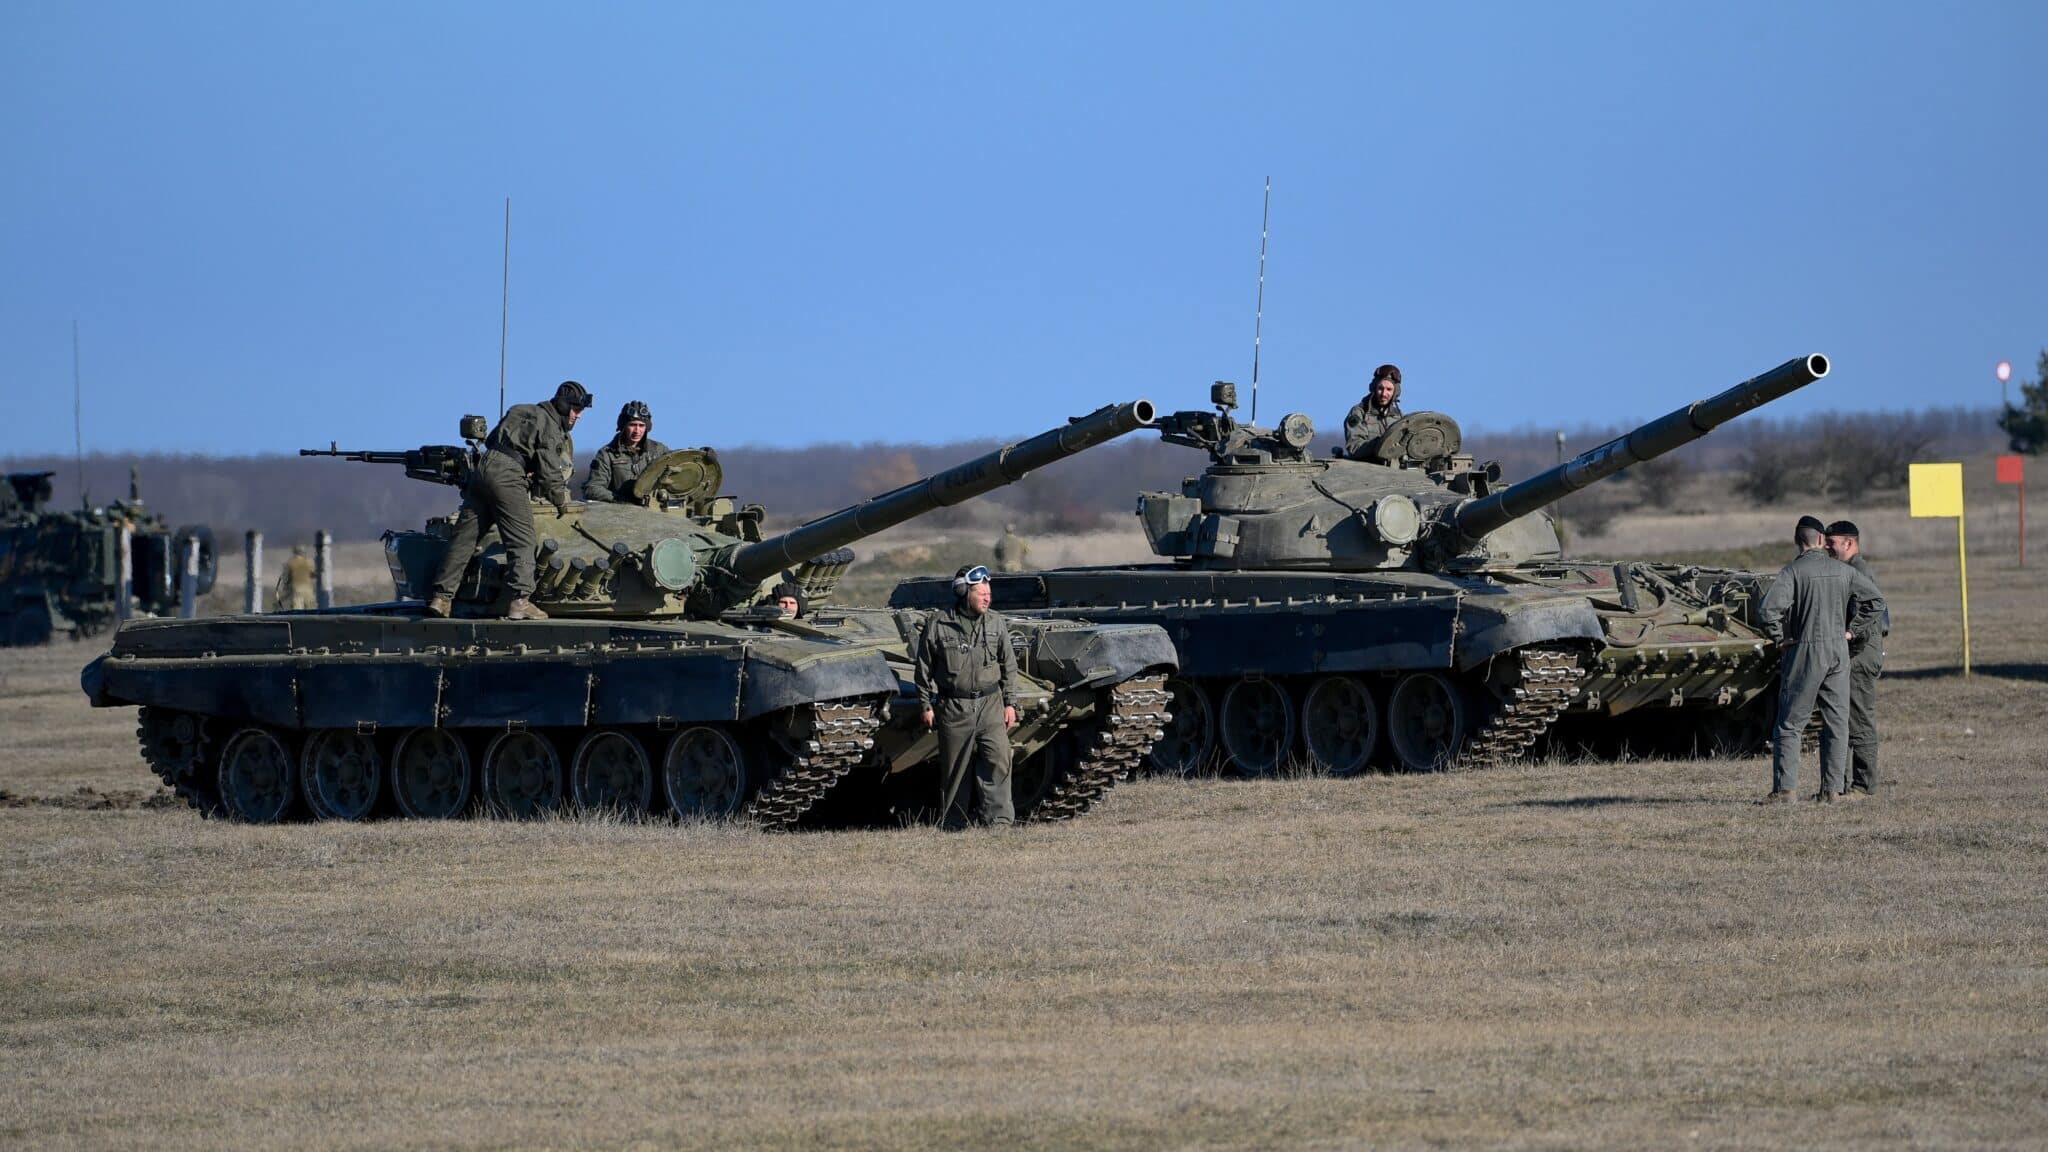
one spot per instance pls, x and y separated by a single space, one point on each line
61 571
1316 602
655 685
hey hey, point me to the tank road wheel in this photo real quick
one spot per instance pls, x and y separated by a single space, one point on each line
258 782
1258 726
1190 736
1426 721
430 774
704 774
1340 724
340 773
610 771
522 775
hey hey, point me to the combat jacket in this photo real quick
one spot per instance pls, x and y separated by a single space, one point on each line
530 441
615 467
1365 424
1816 598
1884 621
964 657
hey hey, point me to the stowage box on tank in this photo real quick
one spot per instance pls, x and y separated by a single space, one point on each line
1318 604
656 685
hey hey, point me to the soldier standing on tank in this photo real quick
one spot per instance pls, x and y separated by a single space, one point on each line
1013 552
966 676
1370 418
1814 607
297 585
523 453
1866 664
618 464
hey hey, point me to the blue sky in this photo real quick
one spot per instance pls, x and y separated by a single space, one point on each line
779 224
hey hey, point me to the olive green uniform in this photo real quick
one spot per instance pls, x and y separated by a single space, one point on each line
296 590
966 673
617 466
1812 602
1012 552
1866 663
1365 424
523 454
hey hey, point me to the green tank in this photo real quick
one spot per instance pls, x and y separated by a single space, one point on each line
1411 608
657 683
60 571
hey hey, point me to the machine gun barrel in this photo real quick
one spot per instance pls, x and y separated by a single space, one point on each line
1475 518
754 562
433 463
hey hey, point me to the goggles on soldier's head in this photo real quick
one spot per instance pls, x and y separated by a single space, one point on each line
975 575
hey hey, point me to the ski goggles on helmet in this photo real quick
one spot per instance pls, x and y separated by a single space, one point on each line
975 575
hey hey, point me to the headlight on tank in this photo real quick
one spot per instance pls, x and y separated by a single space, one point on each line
1396 519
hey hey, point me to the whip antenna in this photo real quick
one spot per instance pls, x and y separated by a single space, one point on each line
78 416
504 307
1259 317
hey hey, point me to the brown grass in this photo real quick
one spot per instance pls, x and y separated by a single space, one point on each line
1558 955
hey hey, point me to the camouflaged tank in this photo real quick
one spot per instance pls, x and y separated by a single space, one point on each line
60 570
1410 609
656 685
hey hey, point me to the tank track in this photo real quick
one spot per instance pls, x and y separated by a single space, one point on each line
1115 749
1539 686
826 740
174 764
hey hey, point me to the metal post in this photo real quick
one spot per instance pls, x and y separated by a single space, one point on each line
323 566
252 555
188 581
124 583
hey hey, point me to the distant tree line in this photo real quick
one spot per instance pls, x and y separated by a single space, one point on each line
1847 456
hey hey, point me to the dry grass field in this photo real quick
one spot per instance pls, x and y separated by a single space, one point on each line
1558 955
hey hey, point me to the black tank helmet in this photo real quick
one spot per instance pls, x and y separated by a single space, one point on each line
571 397
636 410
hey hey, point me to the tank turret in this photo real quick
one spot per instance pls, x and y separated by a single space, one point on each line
1420 502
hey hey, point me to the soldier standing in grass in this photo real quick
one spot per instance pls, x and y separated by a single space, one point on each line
1012 551
1814 607
966 677
296 585
524 453
1866 663
1370 418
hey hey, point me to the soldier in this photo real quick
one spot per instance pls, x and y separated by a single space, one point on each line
1814 606
967 682
618 464
523 452
1012 551
1370 418
788 596
1866 663
296 585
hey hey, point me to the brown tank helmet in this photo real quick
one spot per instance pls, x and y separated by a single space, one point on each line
636 410
1385 372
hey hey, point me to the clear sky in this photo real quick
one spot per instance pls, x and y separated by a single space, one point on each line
280 224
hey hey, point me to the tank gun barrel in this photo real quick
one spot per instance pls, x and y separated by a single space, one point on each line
755 562
1475 518
433 463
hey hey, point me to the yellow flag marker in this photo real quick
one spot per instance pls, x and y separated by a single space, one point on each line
1937 490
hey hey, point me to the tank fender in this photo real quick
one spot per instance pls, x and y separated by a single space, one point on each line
773 683
1101 654
94 680
1488 631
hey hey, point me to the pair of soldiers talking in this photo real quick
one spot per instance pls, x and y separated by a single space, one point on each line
1829 621
531 452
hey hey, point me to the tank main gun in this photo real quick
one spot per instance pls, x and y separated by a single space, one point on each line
751 563
1476 517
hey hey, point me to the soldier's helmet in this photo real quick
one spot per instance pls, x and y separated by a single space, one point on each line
1009 529
573 395
1386 372
636 410
298 549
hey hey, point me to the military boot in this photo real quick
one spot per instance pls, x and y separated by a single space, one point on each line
1781 796
523 609
1824 797
1853 795
441 606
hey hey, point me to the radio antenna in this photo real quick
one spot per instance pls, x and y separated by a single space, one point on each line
78 416
505 307
1259 317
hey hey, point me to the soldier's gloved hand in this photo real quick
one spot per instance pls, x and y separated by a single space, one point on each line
561 504
1009 716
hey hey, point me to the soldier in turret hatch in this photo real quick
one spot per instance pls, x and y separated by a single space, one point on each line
619 464
524 452
1370 418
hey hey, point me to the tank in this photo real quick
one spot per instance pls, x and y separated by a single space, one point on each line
60 570
1413 609
657 683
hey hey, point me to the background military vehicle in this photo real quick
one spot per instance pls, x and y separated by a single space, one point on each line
1316 603
656 683
60 570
